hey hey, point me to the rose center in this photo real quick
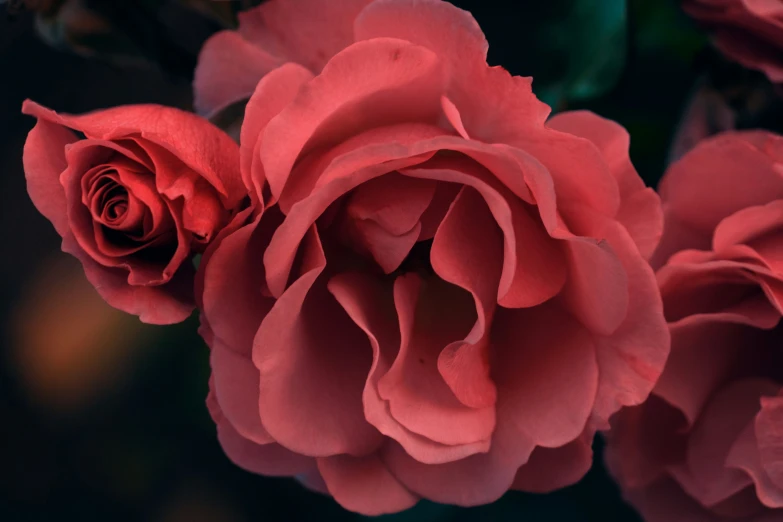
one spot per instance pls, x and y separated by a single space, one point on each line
392 220
114 204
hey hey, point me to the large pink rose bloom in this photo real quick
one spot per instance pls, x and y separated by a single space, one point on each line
444 297
747 31
708 445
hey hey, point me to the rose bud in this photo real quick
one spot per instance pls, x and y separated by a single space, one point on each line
134 192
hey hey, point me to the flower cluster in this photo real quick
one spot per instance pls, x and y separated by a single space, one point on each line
416 284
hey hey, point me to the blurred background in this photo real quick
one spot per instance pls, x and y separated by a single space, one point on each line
102 417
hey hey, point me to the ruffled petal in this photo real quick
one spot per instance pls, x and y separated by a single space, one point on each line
467 252
640 208
739 176
432 314
310 386
494 106
270 96
369 302
401 82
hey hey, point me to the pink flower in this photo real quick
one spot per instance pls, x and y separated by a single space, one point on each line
747 31
444 296
708 445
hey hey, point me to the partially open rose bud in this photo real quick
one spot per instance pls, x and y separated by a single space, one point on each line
145 189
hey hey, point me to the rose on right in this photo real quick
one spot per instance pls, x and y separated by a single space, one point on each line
707 446
749 32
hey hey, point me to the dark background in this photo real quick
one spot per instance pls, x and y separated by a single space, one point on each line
103 418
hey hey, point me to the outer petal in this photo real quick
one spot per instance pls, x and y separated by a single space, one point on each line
632 357
401 82
546 347
229 67
550 469
232 296
364 485
308 32
716 349
167 304
270 96
640 208
44 161
738 173
494 106
745 456
705 476
266 459
235 387
769 432
643 441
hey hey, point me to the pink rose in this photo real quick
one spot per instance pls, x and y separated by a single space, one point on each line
708 444
143 189
747 31
445 296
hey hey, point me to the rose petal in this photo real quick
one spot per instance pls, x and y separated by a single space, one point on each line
370 303
364 485
521 423
665 501
228 69
745 455
235 386
431 314
692 290
550 469
44 161
596 291
640 209
308 32
494 106
235 306
346 173
467 252
643 441
310 386
545 347
630 359
266 459
705 476
167 304
738 174
715 348
400 81
769 432
272 94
